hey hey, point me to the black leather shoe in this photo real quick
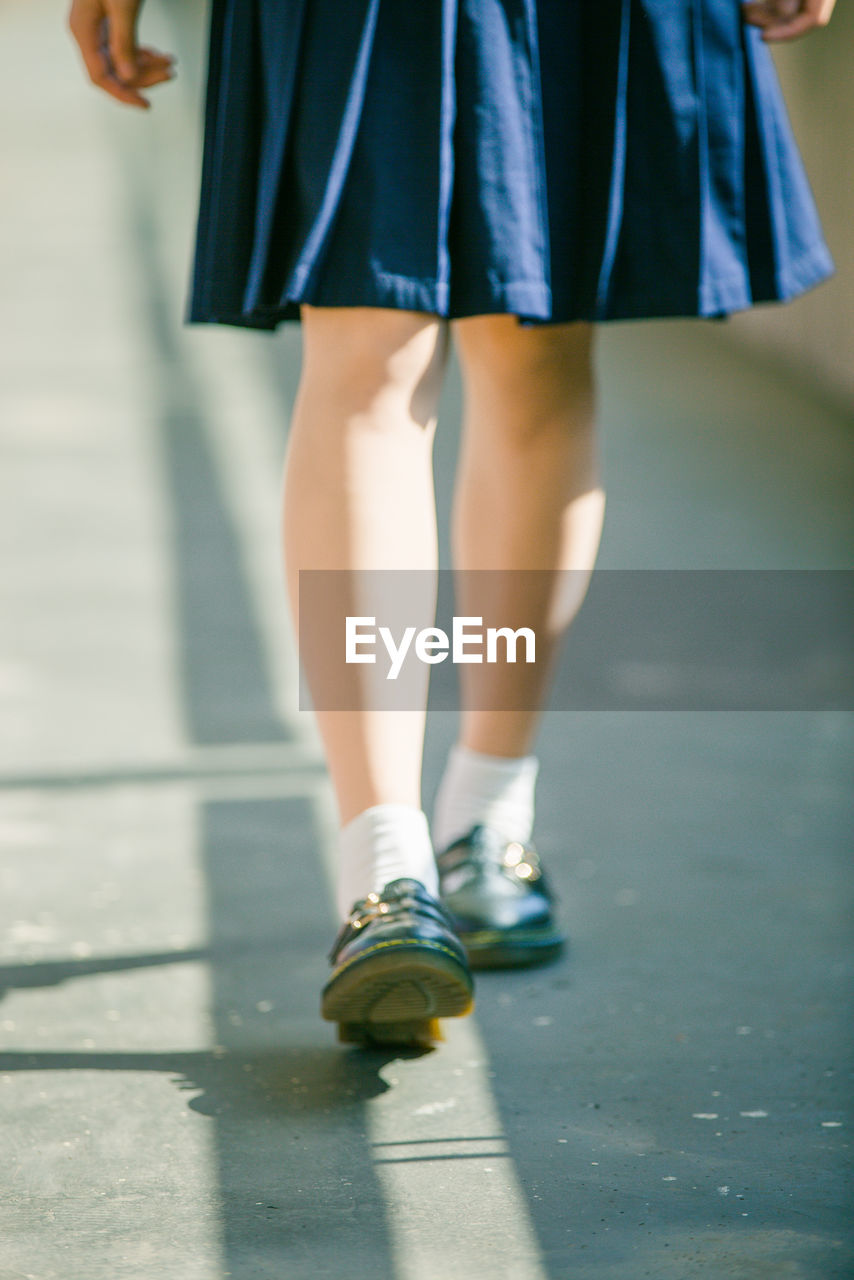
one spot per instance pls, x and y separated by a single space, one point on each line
499 899
397 967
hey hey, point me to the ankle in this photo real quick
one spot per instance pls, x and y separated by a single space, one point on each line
480 788
383 843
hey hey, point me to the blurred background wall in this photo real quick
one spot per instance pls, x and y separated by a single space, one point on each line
816 333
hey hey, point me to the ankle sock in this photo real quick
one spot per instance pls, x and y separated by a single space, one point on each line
475 787
381 844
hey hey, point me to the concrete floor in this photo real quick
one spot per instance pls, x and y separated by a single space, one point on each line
670 1101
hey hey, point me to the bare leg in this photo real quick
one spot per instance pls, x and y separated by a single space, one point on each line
358 494
527 497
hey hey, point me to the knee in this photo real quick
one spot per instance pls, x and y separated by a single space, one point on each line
361 356
535 372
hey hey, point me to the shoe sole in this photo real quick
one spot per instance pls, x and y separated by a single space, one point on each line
395 993
492 949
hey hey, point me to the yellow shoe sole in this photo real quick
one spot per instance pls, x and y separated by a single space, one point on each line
395 993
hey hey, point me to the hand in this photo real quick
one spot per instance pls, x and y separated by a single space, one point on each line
105 31
787 19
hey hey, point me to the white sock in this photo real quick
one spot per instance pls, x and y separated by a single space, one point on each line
379 845
495 790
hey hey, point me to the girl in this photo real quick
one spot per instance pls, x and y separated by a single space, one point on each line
509 173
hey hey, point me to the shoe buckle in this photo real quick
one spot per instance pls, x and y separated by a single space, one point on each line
373 906
368 909
521 862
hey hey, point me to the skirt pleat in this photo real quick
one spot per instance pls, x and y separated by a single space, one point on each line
554 159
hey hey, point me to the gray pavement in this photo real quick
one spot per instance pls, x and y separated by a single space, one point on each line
671 1101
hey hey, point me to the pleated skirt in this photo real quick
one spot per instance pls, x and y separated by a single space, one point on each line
555 159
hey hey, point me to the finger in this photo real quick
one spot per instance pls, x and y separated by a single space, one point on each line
88 35
122 40
797 17
153 57
774 10
756 19
103 77
765 13
129 94
122 92
87 27
790 30
150 71
154 75
822 9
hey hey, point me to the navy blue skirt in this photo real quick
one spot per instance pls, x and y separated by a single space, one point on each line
556 159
